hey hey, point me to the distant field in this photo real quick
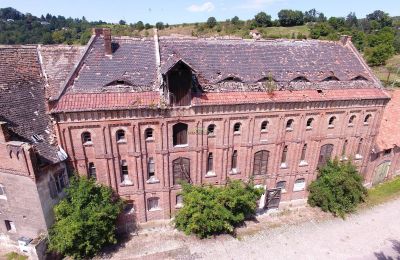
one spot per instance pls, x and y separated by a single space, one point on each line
389 74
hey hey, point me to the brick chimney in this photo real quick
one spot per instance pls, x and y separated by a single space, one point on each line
344 39
106 33
4 137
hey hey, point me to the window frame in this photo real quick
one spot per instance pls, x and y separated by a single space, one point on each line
90 170
301 187
149 134
283 190
10 226
331 122
150 206
151 168
124 168
367 119
237 128
264 126
86 138
120 136
234 157
180 135
289 124
211 130
351 120
309 123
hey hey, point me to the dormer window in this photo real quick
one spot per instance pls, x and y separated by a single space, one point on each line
300 79
331 78
119 82
359 78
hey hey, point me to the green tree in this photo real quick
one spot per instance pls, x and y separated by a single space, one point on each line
211 22
289 17
160 25
351 20
379 54
382 18
210 210
337 189
235 20
262 19
84 220
139 26
122 22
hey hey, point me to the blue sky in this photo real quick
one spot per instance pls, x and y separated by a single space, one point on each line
181 11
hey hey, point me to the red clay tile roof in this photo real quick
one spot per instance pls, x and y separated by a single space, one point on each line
57 62
287 96
106 101
389 131
22 100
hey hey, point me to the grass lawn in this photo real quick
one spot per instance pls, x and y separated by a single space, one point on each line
383 192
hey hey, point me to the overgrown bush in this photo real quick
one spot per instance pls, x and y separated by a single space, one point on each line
210 210
85 219
337 189
379 55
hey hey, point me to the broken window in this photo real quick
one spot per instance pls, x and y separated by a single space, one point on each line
303 153
86 137
289 124
211 129
10 226
309 123
210 162
264 126
2 192
151 168
120 135
331 122
236 128
125 172
92 171
367 119
152 204
351 119
281 185
148 134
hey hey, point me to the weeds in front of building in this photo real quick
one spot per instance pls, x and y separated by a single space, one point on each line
338 188
85 219
210 210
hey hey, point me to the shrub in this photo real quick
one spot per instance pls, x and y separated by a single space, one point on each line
337 189
85 219
379 55
211 22
210 210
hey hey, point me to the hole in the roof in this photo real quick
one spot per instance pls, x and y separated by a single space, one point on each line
119 82
231 79
320 91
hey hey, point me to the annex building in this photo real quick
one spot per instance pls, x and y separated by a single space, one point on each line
141 115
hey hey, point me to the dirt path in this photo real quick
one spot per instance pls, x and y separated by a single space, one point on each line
370 234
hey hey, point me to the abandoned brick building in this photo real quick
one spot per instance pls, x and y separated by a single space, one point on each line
140 115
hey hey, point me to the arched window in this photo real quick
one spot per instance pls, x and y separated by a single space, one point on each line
264 126
309 123
351 119
210 162
211 129
332 121
299 184
151 169
125 173
236 127
180 134
367 119
234 160
148 134
86 137
92 171
289 124
120 135
303 153
281 185
260 162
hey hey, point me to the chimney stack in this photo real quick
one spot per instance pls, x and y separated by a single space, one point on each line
344 39
106 33
4 137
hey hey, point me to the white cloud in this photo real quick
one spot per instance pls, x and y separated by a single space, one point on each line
206 7
257 4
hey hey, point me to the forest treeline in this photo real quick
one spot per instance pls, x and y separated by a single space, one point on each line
377 35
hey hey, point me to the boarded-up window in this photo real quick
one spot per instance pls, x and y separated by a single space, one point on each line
325 154
180 134
181 170
260 162
344 148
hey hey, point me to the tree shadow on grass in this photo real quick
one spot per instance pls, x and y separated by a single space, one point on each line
395 246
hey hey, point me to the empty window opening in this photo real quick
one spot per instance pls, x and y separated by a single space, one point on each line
300 79
148 134
86 137
124 172
332 121
152 204
120 135
387 151
309 123
289 124
211 129
210 162
151 168
367 119
331 78
92 171
351 119
303 153
236 127
281 185
360 78
264 126
234 160
180 134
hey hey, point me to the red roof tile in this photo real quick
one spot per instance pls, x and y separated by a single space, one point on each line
389 134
